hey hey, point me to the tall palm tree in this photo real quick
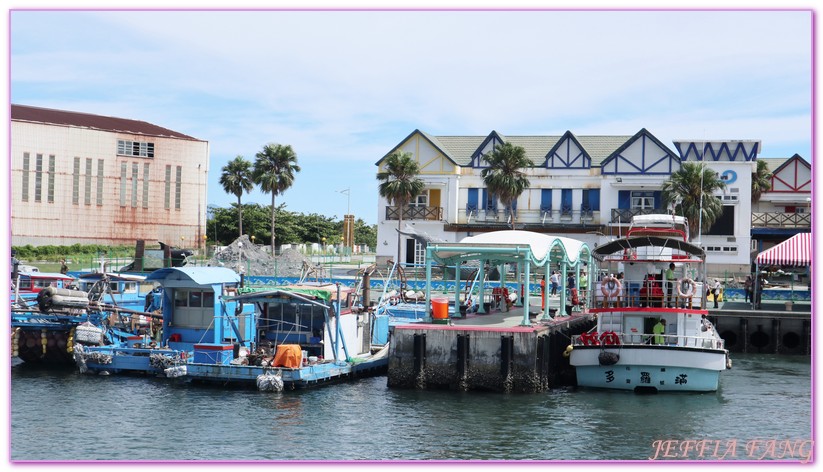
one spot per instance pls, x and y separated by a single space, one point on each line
236 180
761 181
274 170
683 189
400 185
504 177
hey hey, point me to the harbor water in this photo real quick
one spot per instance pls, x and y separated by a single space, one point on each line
763 411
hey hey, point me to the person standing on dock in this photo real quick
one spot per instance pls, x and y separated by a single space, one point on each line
555 281
748 285
716 292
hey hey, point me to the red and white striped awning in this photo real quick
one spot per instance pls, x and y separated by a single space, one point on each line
795 251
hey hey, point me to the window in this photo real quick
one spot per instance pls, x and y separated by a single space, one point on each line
178 187
51 179
135 149
422 200
724 225
75 182
195 300
123 176
100 181
145 185
87 194
642 201
489 201
181 298
566 202
591 202
471 201
129 287
134 170
546 200
38 178
25 186
167 200
419 253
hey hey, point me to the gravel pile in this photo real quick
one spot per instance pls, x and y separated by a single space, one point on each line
243 256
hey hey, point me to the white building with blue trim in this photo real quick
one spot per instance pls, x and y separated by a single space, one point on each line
583 187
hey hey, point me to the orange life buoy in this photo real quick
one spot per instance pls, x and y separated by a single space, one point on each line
613 282
690 283
589 339
610 338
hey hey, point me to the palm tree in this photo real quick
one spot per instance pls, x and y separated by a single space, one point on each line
274 170
683 189
504 177
236 179
761 181
400 185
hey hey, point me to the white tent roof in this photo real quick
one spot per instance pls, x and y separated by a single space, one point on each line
511 243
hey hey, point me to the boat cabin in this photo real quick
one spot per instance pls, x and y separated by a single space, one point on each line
659 225
316 316
195 309
34 282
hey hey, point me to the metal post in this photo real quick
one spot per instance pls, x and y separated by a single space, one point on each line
482 295
526 298
547 270
428 283
564 286
456 290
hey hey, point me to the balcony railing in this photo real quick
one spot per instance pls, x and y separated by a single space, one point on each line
781 220
620 215
531 217
413 212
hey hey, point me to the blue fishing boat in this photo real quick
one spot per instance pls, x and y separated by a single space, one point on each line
192 314
308 334
47 329
292 337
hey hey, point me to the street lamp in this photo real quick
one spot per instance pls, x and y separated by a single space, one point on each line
347 193
252 239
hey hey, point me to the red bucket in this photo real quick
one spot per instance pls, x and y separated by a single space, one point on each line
440 308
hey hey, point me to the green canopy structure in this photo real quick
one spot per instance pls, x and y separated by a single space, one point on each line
526 249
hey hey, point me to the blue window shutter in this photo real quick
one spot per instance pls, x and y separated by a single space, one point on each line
566 198
624 199
594 199
471 205
546 199
514 204
658 199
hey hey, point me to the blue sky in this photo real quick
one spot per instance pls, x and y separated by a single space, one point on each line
344 87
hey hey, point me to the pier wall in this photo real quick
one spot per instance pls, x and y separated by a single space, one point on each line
518 361
765 333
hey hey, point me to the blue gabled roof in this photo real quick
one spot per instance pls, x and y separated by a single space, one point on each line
198 275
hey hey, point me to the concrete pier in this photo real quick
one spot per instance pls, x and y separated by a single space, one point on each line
771 329
490 352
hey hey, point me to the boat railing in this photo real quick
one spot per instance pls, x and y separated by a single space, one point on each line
647 293
607 340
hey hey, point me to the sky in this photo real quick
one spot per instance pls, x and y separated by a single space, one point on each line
343 88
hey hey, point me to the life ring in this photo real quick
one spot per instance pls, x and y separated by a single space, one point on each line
613 281
589 339
692 287
610 338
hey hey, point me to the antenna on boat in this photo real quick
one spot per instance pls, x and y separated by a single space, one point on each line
700 214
